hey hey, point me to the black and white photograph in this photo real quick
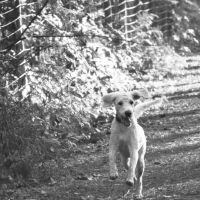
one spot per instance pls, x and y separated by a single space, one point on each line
99 99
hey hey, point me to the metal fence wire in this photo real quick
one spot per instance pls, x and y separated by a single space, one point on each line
123 14
120 14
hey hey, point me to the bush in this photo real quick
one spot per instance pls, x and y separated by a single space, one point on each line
73 60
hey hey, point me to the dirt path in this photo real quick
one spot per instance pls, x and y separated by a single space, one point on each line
172 160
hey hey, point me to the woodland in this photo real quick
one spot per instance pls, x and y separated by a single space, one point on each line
58 58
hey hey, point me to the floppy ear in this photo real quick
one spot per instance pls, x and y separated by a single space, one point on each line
141 108
109 99
140 93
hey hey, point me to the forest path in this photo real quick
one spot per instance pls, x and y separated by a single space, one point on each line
172 160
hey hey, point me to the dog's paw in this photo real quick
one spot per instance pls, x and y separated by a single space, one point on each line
114 176
129 182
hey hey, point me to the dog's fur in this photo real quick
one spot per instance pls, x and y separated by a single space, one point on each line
127 136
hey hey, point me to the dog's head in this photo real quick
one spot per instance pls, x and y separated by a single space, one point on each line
124 104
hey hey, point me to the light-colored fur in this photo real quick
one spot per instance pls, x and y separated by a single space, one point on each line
127 136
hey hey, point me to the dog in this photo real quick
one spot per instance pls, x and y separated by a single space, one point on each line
127 136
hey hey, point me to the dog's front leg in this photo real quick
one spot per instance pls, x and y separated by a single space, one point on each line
132 167
113 147
140 171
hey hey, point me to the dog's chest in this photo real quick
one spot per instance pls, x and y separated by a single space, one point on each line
126 134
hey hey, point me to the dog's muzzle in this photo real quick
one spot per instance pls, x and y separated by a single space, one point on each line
126 119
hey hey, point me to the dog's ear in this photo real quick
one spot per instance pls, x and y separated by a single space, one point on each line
109 99
140 93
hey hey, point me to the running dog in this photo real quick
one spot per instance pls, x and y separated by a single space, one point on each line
127 136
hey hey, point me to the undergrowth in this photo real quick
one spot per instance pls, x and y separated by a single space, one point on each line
67 76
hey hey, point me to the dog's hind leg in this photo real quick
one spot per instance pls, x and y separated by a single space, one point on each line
125 161
125 155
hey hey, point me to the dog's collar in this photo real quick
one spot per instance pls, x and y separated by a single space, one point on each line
119 120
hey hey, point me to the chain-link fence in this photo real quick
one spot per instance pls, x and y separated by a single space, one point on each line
123 14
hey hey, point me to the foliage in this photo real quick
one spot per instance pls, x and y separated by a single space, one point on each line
73 59
187 35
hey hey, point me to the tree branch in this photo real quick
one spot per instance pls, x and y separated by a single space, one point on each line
23 32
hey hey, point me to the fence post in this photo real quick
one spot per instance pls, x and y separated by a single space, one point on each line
12 45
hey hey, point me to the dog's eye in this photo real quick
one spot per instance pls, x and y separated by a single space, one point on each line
120 103
131 102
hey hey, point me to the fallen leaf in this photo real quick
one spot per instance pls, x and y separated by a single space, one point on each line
43 192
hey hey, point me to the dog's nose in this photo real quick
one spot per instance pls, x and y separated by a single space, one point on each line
128 113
